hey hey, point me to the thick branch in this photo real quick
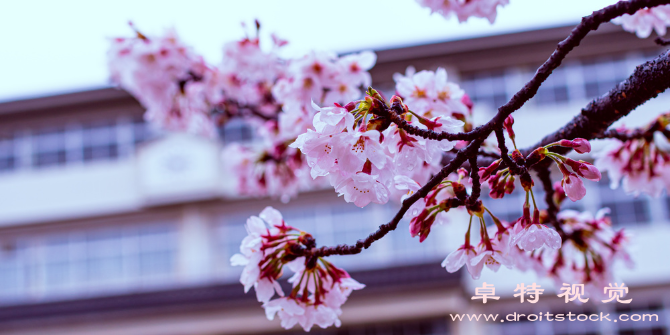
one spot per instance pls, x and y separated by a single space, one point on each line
648 80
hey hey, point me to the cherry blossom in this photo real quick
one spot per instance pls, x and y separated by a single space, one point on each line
645 20
464 9
537 235
459 257
640 165
182 92
319 287
172 82
259 272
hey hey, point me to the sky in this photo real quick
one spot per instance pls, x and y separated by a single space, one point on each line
52 47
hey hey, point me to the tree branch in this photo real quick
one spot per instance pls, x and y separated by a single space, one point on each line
647 81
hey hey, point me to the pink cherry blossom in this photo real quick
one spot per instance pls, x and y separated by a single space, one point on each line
319 291
355 67
574 187
362 188
537 235
459 257
584 169
641 166
493 259
253 251
464 9
645 20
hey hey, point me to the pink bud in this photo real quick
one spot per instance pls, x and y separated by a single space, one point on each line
584 169
421 224
580 145
350 106
509 186
509 122
589 172
485 173
482 172
495 193
415 223
573 187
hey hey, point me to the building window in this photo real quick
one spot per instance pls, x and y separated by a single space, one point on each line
13 271
603 74
8 158
489 88
554 90
100 142
237 130
624 209
49 148
142 131
60 146
88 262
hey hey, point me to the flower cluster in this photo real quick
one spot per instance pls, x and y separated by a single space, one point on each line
642 165
502 243
182 92
319 287
645 20
590 249
529 233
369 159
276 168
572 180
169 79
464 9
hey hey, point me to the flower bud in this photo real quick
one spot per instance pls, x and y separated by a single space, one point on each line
517 157
526 181
580 145
421 225
574 187
350 106
536 156
459 190
509 186
509 122
485 173
584 169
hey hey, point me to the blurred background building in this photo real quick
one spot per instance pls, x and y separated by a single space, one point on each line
111 227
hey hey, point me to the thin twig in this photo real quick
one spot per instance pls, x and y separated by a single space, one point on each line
661 41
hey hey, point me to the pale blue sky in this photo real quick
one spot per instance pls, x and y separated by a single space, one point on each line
53 47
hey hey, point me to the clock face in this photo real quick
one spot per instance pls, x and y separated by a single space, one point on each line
176 163
179 164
